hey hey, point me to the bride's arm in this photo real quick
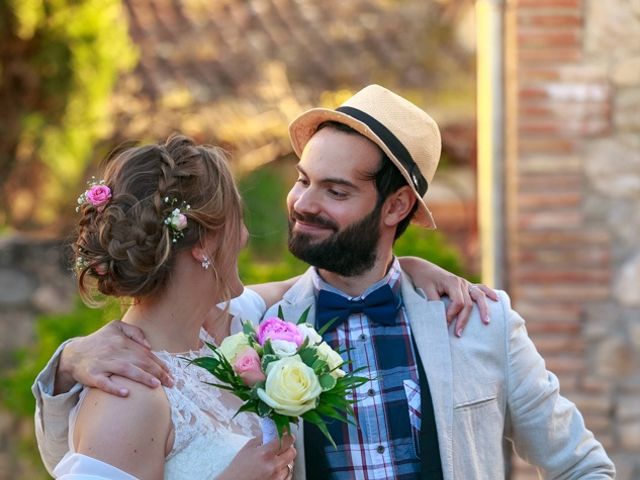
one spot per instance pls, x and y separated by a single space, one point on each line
272 292
130 433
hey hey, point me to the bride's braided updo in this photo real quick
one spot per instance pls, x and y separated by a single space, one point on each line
125 248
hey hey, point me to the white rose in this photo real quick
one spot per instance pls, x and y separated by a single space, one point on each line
333 358
292 387
283 348
233 345
309 332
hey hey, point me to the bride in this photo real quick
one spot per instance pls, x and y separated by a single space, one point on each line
164 228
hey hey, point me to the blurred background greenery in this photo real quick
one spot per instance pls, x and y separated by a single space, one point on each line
78 77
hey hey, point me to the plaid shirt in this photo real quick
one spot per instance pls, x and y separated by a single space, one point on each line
384 445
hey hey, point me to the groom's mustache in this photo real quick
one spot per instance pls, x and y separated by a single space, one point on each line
315 220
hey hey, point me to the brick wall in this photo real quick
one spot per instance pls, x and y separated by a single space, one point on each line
573 204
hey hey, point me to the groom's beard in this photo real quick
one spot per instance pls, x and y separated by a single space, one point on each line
348 252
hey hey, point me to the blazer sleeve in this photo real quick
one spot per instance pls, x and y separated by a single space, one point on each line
52 413
547 430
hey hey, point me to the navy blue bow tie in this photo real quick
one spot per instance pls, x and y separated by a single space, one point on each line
380 306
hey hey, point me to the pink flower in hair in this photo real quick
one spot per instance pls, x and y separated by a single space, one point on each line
98 195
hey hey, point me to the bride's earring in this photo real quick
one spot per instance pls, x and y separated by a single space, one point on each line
206 263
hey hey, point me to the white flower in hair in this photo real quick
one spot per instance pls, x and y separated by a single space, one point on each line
177 220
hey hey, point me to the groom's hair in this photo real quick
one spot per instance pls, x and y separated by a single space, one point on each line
387 178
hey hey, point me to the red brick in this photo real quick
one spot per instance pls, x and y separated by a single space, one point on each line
546 145
550 20
565 110
564 275
559 291
568 239
564 364
546 56
550 3
528 74
592 384
558 313
595 257
558 343
562 39
541 183
535 327
546 219
545 200
577 126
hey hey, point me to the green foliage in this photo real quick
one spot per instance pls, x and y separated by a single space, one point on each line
73 51
51 331
430 245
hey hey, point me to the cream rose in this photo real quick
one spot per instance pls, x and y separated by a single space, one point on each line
291 387
333 358
233 345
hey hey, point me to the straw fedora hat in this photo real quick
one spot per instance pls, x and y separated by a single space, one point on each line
404 132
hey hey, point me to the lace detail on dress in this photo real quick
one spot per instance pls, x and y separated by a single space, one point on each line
199 410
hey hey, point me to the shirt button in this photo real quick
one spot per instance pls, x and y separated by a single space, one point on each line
371 392
363 337
380 449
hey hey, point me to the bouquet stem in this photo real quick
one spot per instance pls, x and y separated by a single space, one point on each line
269 430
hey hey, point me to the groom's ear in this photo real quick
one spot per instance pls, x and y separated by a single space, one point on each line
397 206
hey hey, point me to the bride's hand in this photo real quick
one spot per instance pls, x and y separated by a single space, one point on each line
262 462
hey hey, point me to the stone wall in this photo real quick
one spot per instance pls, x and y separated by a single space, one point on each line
34 279
574 204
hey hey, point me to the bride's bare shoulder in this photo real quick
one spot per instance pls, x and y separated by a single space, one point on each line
137 428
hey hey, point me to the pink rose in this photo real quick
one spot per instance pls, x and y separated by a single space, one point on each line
277 329
247 366
101 269
98 195
180 221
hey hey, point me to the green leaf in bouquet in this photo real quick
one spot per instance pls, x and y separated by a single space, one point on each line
330 412
263 409
222 386
208 363
282 424
315 418
304 344
327 381
248 406
303 317
280 313
267 348
308 355
327 326
319 366
267 359
248 329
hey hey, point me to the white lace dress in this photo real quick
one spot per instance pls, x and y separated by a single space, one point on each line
207 437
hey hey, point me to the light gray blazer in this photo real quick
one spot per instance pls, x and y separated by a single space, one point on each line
489 385
486 386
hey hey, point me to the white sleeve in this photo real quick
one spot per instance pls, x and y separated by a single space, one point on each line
249 306
52 413
76 466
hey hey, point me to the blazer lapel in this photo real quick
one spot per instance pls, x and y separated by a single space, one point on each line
429 329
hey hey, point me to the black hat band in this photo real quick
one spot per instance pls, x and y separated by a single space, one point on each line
393 144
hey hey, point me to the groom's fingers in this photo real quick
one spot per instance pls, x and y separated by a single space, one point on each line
104 383
133 332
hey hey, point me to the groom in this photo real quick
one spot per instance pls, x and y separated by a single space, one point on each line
436 406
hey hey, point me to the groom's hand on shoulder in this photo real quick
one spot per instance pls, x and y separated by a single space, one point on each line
115 349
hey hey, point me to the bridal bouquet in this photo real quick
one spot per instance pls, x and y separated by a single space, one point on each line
284 371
